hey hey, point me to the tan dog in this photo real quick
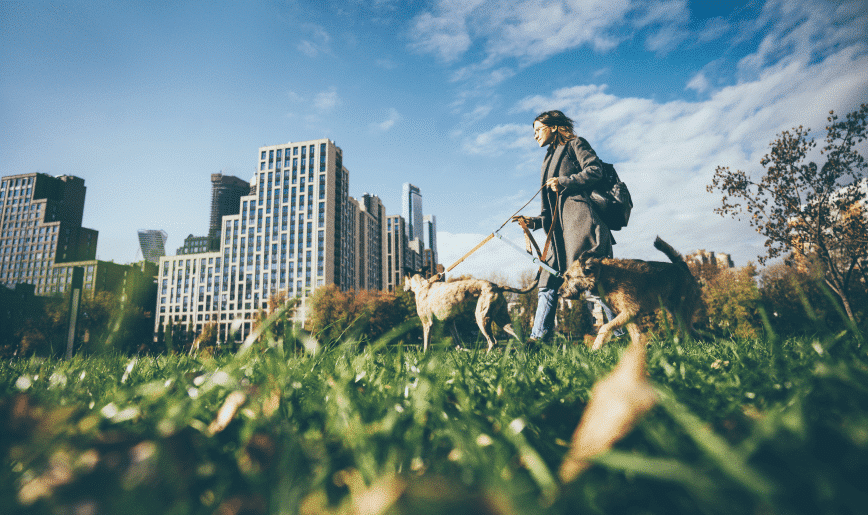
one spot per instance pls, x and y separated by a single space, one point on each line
633 286
439 300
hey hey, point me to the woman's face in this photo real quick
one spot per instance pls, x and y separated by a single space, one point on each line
543 134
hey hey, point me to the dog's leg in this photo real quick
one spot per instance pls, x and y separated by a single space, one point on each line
426 333
608 327
635 334
483 320
501 317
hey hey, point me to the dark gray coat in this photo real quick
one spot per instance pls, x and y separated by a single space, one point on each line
578 229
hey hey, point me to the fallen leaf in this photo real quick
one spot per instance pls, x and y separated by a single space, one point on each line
227 412
617 402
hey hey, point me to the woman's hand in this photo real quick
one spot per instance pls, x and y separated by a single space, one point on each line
519 219
553 184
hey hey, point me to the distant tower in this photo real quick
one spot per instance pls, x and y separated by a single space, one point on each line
153 243
411 210
429 225
226 193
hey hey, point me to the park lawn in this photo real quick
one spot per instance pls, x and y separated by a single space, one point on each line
741 426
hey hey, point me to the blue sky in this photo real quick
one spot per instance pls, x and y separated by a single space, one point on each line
146 100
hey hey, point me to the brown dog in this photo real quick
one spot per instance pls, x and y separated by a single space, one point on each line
439 300
632 286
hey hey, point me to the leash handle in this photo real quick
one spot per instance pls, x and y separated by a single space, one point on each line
528 237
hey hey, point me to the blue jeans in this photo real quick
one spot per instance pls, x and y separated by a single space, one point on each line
546 309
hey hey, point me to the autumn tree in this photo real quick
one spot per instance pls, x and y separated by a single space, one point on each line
808 211
795 301
731 299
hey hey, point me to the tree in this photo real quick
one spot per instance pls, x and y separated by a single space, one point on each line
806 211
731 299
794 300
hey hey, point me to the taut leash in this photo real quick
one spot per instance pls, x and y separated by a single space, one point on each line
529 239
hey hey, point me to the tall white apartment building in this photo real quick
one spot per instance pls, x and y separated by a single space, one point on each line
294 231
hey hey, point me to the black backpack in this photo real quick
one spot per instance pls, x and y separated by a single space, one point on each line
612 200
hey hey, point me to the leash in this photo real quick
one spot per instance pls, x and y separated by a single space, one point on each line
529 239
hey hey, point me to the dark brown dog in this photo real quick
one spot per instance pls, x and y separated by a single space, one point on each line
633 286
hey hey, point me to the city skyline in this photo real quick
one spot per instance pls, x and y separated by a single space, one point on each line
295 230
144 102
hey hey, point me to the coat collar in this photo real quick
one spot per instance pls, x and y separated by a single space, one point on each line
552 158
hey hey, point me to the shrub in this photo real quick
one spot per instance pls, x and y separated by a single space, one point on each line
365 312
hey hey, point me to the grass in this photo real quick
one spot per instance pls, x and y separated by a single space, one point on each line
743 426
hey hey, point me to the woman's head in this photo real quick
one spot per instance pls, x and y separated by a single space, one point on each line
553 127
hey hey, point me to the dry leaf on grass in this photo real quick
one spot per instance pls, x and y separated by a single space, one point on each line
617 402
227 412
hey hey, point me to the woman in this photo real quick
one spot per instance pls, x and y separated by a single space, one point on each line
570 171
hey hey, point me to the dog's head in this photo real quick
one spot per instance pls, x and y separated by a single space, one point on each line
580 276
414 282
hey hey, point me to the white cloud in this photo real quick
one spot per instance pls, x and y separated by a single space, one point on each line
308 48
327 100
392 118
699 83
318 41
499 139
445 33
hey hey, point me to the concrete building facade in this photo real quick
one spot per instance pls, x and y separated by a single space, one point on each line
370 233
40 225
131 282
194 245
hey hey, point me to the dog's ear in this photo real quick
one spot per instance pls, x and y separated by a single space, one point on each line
591 266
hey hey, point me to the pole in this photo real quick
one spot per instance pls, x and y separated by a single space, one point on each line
74 301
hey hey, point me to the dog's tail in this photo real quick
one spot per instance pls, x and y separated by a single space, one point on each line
516 290
671 253
533 285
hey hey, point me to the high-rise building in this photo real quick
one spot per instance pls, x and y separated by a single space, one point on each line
294 231
40 225
411 209
429 236
153 244
396 253
226 193
369 236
